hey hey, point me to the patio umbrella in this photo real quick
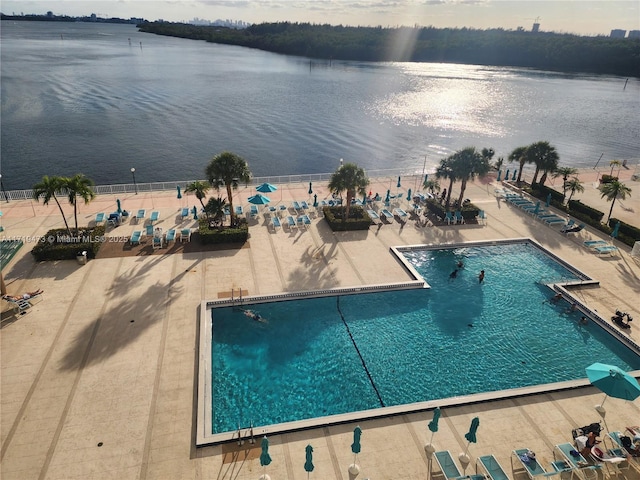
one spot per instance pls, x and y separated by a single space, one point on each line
388 197
426 177
616 229
266 188
548 202
537 208
433 424
506 175
308 464
310 189
471 436
399 185
499 173
354 469
409 195
119 207
515 175
315 199
179 192
259 199
613 382
265 458
195 212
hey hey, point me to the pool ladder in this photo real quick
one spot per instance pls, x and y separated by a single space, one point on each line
248 433
233 298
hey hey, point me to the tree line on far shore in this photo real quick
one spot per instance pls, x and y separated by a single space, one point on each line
497 47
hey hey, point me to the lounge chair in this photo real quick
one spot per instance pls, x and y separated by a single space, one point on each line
21 304
491 467
553 220
595 243
253 211
291 222
99 218
446 464
450 218
617 441
304 205
296 206
275 221
149 230
531 465
135 237
576 461
306 219
170 236
185 212
606 249
140 215
612 458
569 225
573 229
157 242
401 213
387 214
114 219
283 208
459 217
239 210
373 215
154 216
185 235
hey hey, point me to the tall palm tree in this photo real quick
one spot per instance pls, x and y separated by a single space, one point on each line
613 190
519 155
351 178
47 189
228 169
447 170
499 163
573 185
199 188
215 210
545 158
468 163
78 186
565 173
615 163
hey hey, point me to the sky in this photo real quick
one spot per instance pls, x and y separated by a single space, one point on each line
584 17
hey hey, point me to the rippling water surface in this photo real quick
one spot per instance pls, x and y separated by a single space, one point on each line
100 99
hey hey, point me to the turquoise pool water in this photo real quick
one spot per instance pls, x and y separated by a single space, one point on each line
331 355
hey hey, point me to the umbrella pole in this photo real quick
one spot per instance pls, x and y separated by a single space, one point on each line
600 408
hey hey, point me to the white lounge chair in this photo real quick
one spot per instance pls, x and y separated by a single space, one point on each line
185 235
373 215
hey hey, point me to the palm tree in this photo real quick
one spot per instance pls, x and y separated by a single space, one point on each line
432 185
351 178
565 173
613 190
573 185
47 189
78 186
499 163
446 170
200 189
228 169
545 157
215 210
614 163
519 155
468 163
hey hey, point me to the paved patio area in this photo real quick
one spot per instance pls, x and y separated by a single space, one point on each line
98 379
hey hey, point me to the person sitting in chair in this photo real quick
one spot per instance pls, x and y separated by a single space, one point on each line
24 296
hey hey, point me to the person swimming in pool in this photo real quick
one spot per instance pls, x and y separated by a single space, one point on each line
481 276
453 274
254 316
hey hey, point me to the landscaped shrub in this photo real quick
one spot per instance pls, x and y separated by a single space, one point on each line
214 235
627 234
607 178
577 208
436 208
58 245
358 219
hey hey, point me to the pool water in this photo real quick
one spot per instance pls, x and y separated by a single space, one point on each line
323 356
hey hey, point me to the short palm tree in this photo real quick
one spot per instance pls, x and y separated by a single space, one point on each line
228 169
519 155
199 188
446 170
545 158
565 173
432 185
573 185
76 187
615 163
47 189
499 163
469 164
612 191
215 210
352 179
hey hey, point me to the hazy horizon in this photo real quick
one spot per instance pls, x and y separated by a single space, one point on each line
596 17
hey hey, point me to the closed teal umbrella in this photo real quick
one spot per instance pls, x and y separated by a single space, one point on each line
537 208
179 192
506 175
515 175
616 230
308 464
388 197
433 424
265 458
310 189
315 199
499 173
355 446
548 202
119 207
409 195
399 184
194 210
471 434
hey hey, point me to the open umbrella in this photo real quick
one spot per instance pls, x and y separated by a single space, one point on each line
315 199
499 173
354 469
119 207
258 199
265 458
308 464
179 192
310 189
266 188
613 382
616 229
195 212
548 202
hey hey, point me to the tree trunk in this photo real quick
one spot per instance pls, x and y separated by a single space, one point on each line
230 198
463 187
63 217
535 176
449 194
611 209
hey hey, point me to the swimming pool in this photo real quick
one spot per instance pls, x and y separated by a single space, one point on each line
335 354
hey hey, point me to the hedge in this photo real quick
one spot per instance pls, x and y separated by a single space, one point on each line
58 245
627 234
577 207
607 178
469 210
358 219
239 234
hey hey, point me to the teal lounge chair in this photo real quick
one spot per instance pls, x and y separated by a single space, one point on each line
185 235
253 211
141 213
531 466
459 217
554 220
446 464
491 467
306 220
606 249
157 243
387 214
239 210
450 218
275 221
482 217
135 237
401 213
154 216
373 215
595 243
291 222
171 235
99 218
185 212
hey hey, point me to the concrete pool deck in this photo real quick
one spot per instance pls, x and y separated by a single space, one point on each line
98 379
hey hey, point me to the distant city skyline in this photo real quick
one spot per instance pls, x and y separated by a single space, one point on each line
584 17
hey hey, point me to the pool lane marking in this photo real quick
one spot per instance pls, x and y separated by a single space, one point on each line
364 365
